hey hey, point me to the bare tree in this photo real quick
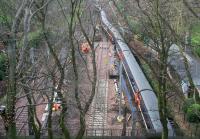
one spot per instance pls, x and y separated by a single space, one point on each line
85 109
11 99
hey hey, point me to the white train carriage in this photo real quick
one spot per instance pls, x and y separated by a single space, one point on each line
133 71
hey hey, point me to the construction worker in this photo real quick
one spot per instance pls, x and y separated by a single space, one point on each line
85 48
137 98
56 107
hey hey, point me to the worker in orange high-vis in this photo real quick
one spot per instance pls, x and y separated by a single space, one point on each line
56 107
85 48
137 98
53 108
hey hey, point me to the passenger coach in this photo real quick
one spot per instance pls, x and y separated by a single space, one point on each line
135 80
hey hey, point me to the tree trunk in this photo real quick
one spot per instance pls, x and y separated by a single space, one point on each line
32 114
49 120
162 93
11 94
124 122
50 132
82 127
10 109
60 83
88 103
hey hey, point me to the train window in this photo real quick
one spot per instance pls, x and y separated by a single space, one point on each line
132 82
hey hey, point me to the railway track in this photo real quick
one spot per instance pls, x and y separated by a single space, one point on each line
22 120
98 113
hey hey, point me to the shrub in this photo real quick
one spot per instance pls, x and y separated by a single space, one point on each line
193 113
195 39
35 38
196 50
2 66
188 102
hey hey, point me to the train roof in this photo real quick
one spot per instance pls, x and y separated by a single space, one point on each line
149 97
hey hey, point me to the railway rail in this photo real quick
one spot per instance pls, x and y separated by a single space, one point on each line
98 115
22 120
21 117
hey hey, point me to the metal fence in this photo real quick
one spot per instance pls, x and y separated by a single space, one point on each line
102 132
106 132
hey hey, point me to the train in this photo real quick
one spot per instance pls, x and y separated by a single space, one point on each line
135 80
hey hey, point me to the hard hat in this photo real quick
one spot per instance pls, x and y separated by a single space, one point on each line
53 109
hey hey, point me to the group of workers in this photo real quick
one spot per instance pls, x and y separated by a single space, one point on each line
56 107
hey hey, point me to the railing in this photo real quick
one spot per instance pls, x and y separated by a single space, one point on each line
106 132
111 133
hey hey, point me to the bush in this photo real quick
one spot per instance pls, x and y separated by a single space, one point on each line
195 34
3 60
35 38
188 102
196 50
195 39
193 113
4 19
